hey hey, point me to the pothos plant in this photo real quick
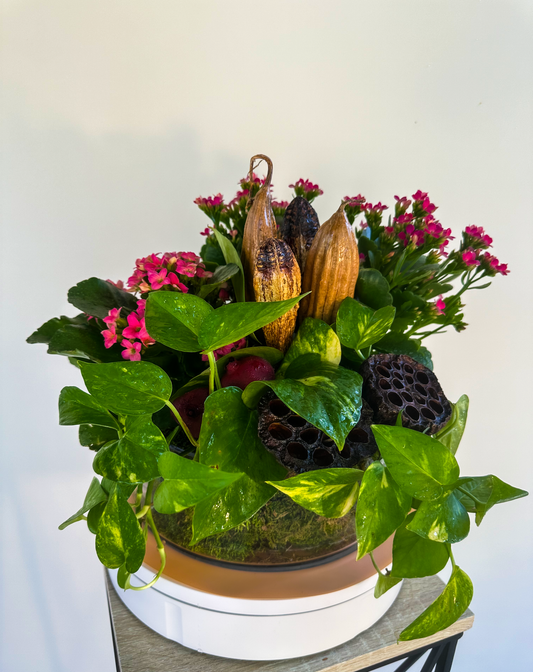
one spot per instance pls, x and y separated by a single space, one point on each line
182 323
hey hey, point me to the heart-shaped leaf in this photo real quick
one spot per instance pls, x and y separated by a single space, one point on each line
359 327
46 331
313 337
381 508
84 342
128 388
372 289
414 556
174 319
132 459
95 495
420 465
384 583
330 399
488 491
119 538
445 610
443 520
328 492
232 257
95 436
76 407
187 483
233 447
452 432
97 297
234 321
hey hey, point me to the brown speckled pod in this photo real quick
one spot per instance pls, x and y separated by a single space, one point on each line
331 270
260 225
299 228
276 278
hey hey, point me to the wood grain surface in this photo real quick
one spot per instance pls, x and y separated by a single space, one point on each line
142 650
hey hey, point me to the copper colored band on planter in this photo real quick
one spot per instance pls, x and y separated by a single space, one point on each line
208 578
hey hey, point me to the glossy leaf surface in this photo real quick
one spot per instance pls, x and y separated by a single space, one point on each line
452 433
372 289
489 490
97 297
174 319
359 327
421 465
414 556
95 436
384 583
76 407
187 483
232 257
316 337
443 520
82 341
47 330
95 495
128 388
445 610
328 492
381 508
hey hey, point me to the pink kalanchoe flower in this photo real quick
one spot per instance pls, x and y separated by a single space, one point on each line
141 307
175 282
202 273
478 233
442 250
132 351
112 316
494 265
209 201
420 195
233 233
189 256
440 305
135 325
184 267
362 257
110 336
223 294
158 278
118 283
226 349
378 207
206 232
469 258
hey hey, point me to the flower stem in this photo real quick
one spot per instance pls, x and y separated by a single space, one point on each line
161 551
214 379
182 424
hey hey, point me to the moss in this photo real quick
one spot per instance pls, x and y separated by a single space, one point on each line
281 532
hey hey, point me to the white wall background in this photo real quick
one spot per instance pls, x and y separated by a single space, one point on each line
117 114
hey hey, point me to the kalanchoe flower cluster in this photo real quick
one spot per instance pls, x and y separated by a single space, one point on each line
354 206
306 189
130 333
227 349
170 270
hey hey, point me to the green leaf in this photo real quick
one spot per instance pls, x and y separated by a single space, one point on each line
97 297
78 408
359 327
317 337
222 274
328 492
187 483
445 610
444 520
272 355
45 332
174 319
381 508
420 465
82 341
384 583
330 401
119 538
233 447
234 321
488 490
128 388
232 257
96 436
414 556
94 516
452 432
132 459
372 289
95 495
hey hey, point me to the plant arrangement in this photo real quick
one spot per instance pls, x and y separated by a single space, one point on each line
282 367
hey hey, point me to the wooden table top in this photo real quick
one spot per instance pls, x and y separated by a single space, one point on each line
143 650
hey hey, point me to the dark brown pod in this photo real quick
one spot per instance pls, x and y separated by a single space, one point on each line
300 446
394 383
299 228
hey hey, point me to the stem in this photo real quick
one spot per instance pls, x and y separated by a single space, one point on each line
147 501
182 424
214 379
161 551
470 495
138 498
449 549
378 570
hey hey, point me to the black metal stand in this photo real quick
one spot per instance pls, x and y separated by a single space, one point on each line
440 657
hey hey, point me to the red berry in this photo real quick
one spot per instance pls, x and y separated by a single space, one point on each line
191 408
242 372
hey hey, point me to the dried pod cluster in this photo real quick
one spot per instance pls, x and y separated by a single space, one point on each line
394 383
301 447
331 269
276 278
299 228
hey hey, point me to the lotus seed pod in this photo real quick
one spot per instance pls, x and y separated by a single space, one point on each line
394 383
299 228
260 225
300 446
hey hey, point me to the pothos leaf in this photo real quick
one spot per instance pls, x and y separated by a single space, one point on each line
414 556
95 495
174 319
359 327
314 337
452 432
443 520
478 494
231 256
384 583
76 407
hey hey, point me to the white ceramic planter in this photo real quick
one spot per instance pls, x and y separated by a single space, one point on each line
255 629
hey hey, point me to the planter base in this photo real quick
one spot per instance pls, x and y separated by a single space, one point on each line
236 619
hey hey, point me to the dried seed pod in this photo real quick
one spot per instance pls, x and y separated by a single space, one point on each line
260 225
300 446
331 270
394 383
276 278
299 228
